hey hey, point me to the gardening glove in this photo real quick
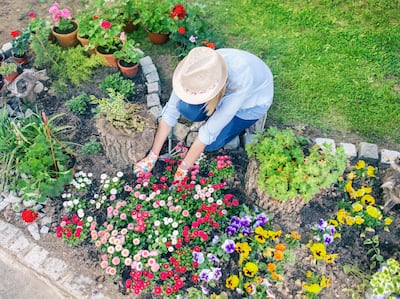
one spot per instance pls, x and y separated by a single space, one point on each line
146 164
181 172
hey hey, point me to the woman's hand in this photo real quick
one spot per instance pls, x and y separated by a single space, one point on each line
180 174
146 164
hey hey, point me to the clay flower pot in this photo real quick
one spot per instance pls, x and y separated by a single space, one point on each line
128 70
66 40
158 38
111 61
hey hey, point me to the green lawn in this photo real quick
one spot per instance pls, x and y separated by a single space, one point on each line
336 64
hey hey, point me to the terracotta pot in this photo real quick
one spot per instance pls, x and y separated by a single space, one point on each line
21 60
129 27
128 70
85 42
11 77
110 60
158 38
66 40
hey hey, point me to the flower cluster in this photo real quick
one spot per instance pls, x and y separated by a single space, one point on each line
61 18
167 238
191 29
72 230
29 216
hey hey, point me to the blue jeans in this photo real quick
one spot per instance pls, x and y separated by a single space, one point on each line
230 131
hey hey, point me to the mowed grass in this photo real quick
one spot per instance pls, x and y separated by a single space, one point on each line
336 64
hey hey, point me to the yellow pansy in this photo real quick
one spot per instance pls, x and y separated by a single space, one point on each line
333 222
330 258
341 215
318 250
250 269
351 176
337 235
309 274
243 249
373 212
360 164
359 220
350 220
312 288
261 234
269 252
325 282
359 193
388 221
367 189
232 282
368 200
357 207
349 187
371 171
250 288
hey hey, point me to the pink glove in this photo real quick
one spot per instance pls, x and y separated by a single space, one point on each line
146 164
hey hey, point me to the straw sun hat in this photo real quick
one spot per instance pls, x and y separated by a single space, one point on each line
200 76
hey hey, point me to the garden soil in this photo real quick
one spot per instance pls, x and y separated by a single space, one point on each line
84 257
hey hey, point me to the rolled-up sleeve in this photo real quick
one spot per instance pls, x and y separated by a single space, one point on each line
170 112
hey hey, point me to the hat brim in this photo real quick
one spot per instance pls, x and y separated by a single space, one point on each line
200 98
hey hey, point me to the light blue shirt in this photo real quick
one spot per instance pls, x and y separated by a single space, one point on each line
249 94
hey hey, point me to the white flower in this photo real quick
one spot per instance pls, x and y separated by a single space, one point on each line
115 179
192 39
175 233
81 213
105 186
157 223
174 224
113 191
90 174
96 196
103 176
171 249
75 201
120 174
63 195
98 205
89 219
164 240
70 203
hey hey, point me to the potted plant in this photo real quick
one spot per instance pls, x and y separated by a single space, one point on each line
9 71
88 21
20 43
155 17
128 56
131 16
64 28
106 40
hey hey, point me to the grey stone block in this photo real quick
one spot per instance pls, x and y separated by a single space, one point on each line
152 77
233 144
55 268
180 131
36 258
368 152
191 137
3 204
145 60
8 232
20 246
78 285
156 111
154 87
349 149
153 100
387 156
323 142
148 68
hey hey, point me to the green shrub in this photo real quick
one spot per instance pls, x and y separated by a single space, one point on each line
120 85
290 167
92 147
78 104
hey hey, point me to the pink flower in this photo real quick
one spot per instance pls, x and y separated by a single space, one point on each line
116 260
32 15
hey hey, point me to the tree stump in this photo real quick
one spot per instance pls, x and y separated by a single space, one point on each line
125 148
279 208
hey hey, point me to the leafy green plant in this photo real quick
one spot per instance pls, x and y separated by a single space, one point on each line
78 104
120 114
289 167
385 283
155 16
66 66
91 147
374 251
119 84
8 68
35 162
129 52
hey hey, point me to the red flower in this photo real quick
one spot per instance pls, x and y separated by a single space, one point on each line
195 278
157 290
105 25
29 216
178 11
168 291
211 45
95 17
32 15
15 33
181 30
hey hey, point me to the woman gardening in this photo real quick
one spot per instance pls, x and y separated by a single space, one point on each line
227 89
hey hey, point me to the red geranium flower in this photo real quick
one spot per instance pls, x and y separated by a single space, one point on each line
15 33
32 15
29 216
157 290
95 17
178 11
211 45
181 30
